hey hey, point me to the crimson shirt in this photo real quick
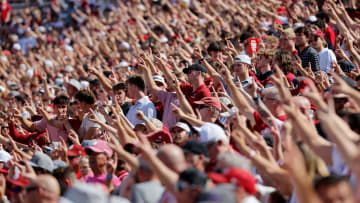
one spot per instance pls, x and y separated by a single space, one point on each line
192 96
260 124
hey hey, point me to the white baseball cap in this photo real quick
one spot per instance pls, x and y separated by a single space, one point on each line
69 68
181 125
84 84
210 132
230 112
75 83
159 78
242 59
4 156
17 46
49 63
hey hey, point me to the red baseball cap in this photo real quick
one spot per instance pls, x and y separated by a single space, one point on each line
160 136
236 176
303 83
318 33
212 101
21 181
76 150
281 10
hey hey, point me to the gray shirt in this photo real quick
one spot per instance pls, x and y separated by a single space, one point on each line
147 192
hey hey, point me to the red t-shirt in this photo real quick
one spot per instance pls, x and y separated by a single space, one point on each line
192 96
5 10
260 124
330 35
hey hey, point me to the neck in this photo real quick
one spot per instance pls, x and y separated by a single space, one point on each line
278 112
243 76
139 95
319 49
197 83
301 48
99 171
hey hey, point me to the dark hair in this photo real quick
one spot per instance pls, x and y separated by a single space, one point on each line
86 96
95 82
63 173
61 100
285 60
323 16
138 81
303 30
119 86
20 98
329 180
107 73
214 46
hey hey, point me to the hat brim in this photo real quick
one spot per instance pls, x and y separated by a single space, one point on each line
217 177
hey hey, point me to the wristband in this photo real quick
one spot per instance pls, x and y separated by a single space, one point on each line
146 120
109 176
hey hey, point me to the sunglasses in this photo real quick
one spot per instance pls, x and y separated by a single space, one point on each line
203 106
31 188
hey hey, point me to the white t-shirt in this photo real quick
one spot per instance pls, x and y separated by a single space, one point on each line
86 124
326 57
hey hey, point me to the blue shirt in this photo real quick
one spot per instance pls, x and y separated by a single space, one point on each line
145 105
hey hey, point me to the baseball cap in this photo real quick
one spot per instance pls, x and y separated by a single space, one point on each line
75 83
210 132
182 126
43 161
197 67
230 112
69 69
194 177
303 83
4 156
17 47
318 33
281 10
236 176
96 145
242 59
195 147
21 181
160 136
76 150
158 78
211 101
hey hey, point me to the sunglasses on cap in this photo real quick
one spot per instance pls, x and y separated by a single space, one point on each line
203 106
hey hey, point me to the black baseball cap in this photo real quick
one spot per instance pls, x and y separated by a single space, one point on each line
197 67
194 177
195 147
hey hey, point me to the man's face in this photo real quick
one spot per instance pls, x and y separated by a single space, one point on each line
270 101
179 135
262 61
240 68
340 192
97 161
184 192
300 39
120 96
130 88
61 110
317 43
205 111
194 160
32 194
193 75
160 85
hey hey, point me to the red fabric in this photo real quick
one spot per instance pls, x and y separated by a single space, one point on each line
254 76
161 135
211 101
290 77
192 96
27 138
330 35
5 11
260 124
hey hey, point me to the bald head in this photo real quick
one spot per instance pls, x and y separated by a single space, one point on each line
49 184
302 103
173 157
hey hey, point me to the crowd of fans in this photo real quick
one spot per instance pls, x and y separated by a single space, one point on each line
180 101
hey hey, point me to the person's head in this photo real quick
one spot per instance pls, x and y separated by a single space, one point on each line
334 188
303 35
180 133
134 85
84 166
44 188
41 163
284 60
86 99
160 82
318 41
287 40
143 173
120 92
241 66
196 154
271 42
4 129
215 139
209 108
228 160
303 104
271 98
173 157
61 105
99 153
264 58
324 17
66 177
195 73
214 49
191 182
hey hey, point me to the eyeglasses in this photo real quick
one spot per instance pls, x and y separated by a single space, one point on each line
31 188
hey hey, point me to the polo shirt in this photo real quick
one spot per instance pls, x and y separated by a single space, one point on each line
309 55
145 105
192 96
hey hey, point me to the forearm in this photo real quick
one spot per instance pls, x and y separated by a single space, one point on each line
27 124
193 121
184 103
264 112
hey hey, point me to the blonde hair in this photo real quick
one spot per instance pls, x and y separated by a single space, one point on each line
289 32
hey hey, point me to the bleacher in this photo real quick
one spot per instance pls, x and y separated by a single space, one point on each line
17 5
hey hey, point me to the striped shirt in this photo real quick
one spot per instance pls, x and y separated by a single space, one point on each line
309 55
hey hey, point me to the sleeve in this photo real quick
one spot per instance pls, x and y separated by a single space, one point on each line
40 125
136 196
150 110
15 134
315 62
